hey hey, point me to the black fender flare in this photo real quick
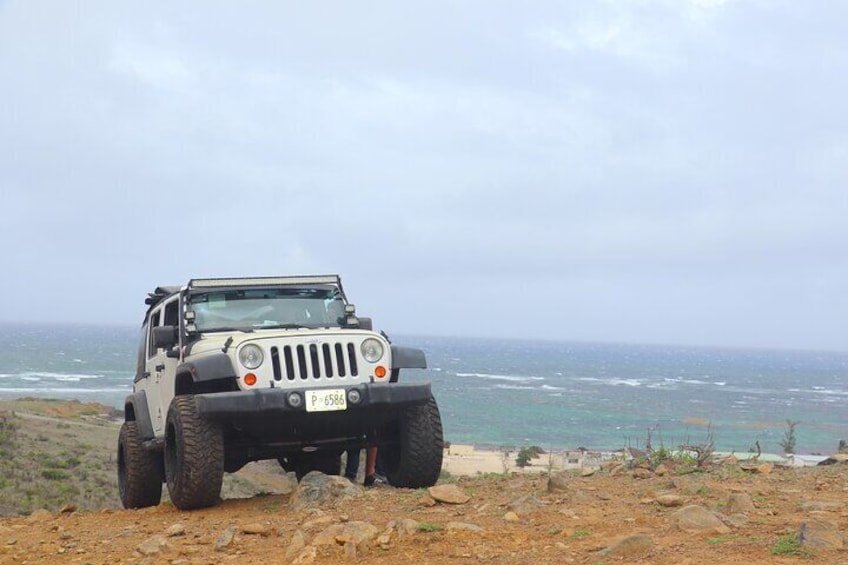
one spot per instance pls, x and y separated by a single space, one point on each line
136 410
408 358
210 368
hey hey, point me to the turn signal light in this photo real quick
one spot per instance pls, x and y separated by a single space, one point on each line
250 379
380 372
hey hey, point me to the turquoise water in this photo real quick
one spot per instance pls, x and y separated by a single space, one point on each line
509 392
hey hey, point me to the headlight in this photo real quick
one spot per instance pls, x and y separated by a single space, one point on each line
251 356
372 350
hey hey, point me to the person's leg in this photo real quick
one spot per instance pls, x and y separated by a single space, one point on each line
370 464
352 464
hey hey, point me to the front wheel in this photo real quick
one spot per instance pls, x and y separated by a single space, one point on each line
194 456
413 456
139 470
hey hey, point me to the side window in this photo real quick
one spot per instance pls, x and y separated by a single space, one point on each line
154 322
172 317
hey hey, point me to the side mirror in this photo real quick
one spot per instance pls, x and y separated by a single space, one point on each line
165 337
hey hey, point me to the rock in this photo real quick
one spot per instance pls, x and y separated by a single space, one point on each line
350 550
317 489
406 527
463 526
296 545
524 504
320 522
640 473
729 460
225 540
661 470
737 520
694 518
631 546
670 500
256 529
449 494
69 508
427 501
820 534
153 546
357 532
558 482
40 515
834 459
308 555
175 530
759 468
618 470
739 503
511 517
819 506
587 472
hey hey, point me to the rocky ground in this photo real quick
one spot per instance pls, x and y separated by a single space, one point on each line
668 514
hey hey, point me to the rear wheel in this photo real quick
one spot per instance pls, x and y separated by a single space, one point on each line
139 470
413 456
194 456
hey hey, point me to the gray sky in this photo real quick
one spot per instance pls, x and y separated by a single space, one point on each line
663 171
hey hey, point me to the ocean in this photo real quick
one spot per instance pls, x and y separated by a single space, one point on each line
498 393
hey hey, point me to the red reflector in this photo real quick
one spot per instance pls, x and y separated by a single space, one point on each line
250 379
380 372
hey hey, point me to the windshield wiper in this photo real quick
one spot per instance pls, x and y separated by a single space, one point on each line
227 329
281 326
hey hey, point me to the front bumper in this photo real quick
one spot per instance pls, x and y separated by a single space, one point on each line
274 402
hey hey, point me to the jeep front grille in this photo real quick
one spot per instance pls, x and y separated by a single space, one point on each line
314 361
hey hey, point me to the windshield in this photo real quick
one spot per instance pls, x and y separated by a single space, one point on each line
257 308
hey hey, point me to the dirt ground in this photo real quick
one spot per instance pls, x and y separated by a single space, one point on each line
514 518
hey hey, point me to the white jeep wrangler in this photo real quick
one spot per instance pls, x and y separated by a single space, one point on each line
244 369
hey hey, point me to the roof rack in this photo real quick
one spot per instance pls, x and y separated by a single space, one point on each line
264 281
159 294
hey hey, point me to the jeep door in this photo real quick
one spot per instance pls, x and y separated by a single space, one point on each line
161 366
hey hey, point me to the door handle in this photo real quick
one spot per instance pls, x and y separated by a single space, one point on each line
160 368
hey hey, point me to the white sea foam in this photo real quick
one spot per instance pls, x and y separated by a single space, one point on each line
511 378
515 387
63 390
613 382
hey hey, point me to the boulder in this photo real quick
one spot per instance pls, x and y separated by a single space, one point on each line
558 482
256 529
817 533
226 538
463 527
670 500
630 546
296 545
153 546
524 504
739 503
642 473
448 494
694 518
177 529
317 489
356 532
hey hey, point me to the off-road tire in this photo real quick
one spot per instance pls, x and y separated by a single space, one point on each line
194 456
139 470
327 463
415 459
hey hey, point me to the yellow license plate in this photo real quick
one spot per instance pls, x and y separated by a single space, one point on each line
326 400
